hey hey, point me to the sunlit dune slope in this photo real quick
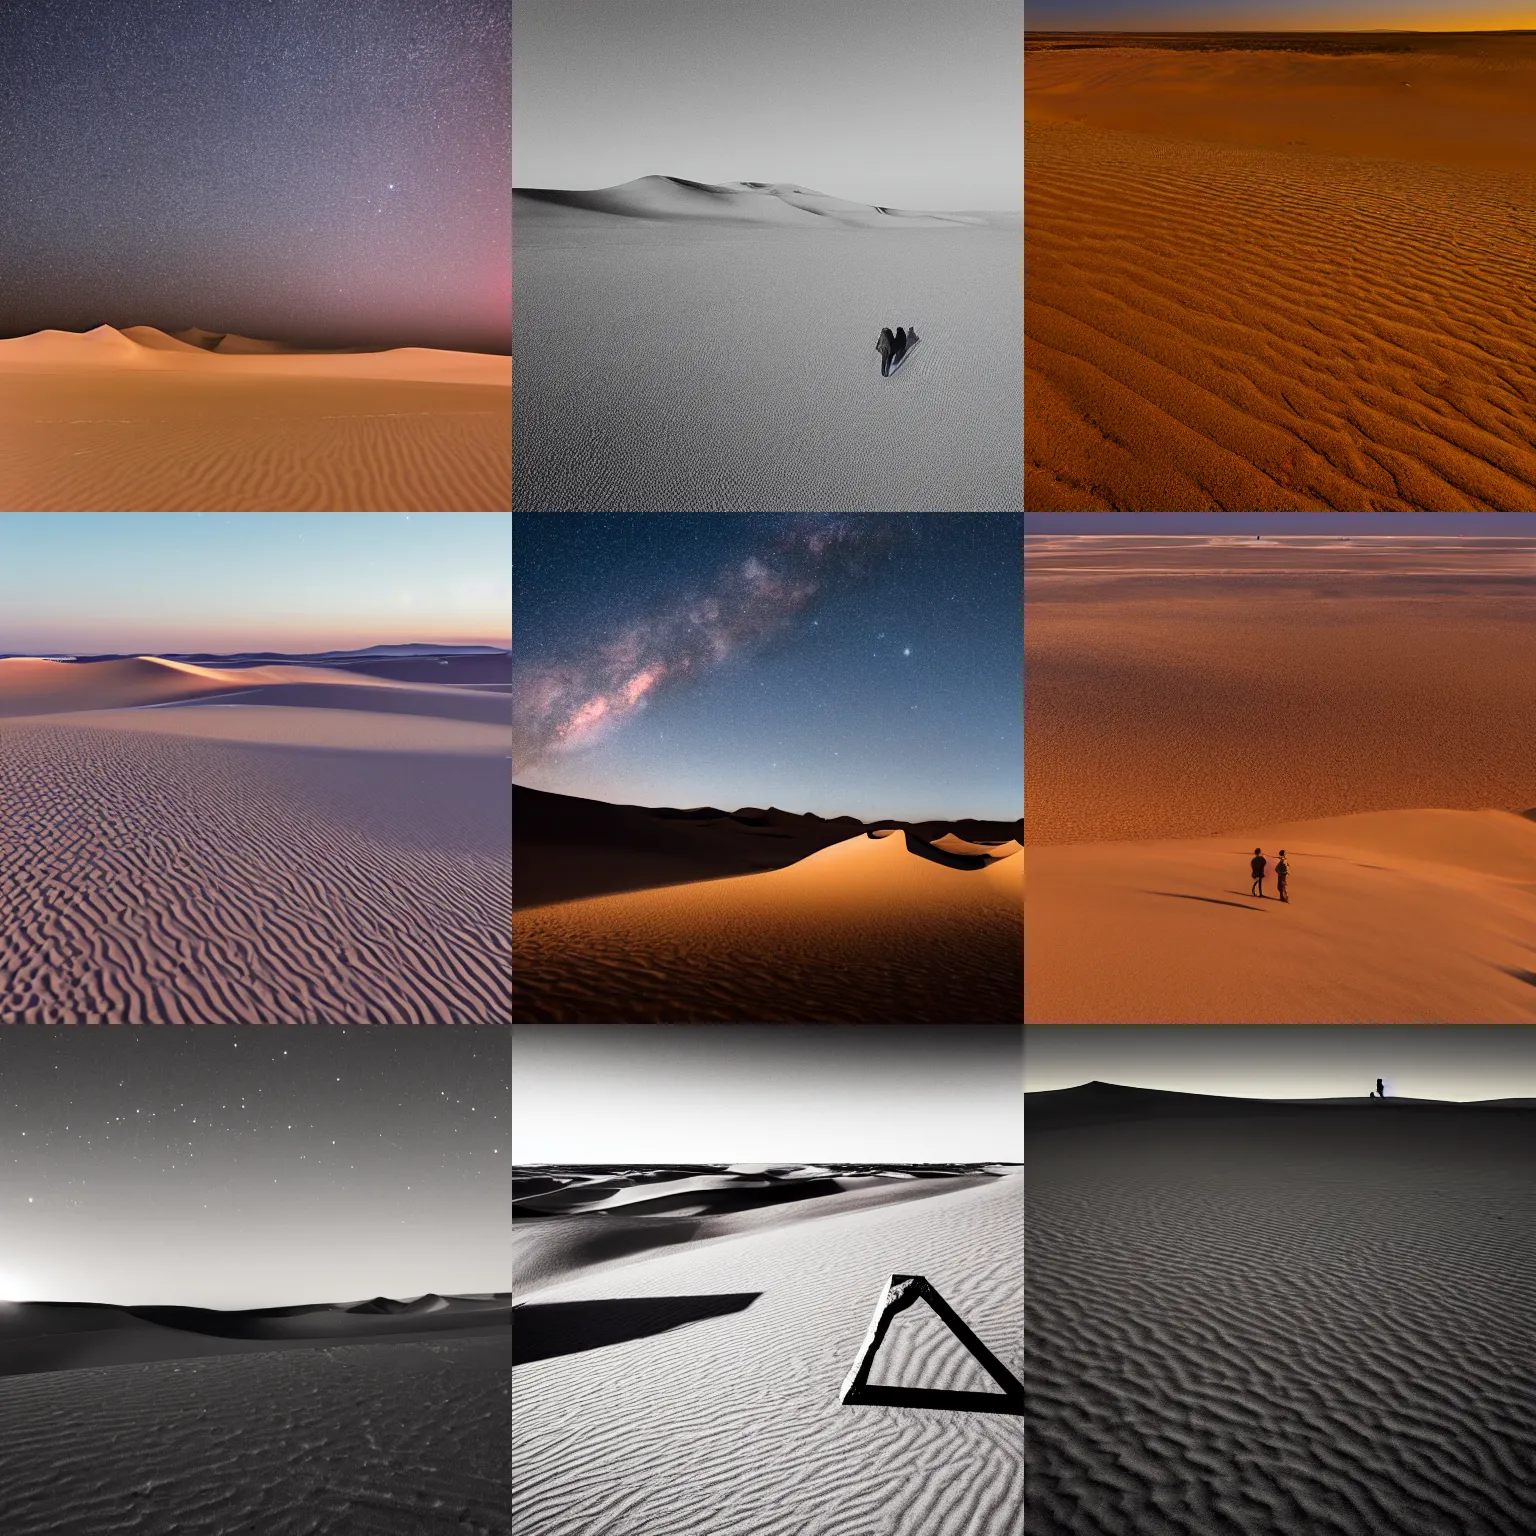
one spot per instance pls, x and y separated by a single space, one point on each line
1273 281
1415 916
863 931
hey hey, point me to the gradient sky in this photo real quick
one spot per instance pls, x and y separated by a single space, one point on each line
146 583
248 1167
900 103
328 172
1288 1061
650 1093
866 665
1279 15
1505 524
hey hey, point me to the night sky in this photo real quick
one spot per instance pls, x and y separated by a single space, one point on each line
1288 1061
241 1166
660 1093
1279 15
893 102
866 665
323 172
146 583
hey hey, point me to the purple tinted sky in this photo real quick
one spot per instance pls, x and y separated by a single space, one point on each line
144 583
328 172
896 102
1437 524
1278 15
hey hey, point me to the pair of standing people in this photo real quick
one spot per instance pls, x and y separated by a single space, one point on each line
1258 864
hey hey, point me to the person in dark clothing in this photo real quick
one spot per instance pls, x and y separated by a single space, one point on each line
1381 1091
1281 871
1258 864
885 347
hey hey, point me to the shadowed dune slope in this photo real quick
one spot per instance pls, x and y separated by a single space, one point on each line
747 1398
1281 1323
1394 917
1277 281
861 932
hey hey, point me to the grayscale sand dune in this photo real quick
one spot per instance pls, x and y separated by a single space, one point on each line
1278 1320
231 862
704 1374
749 380
1270 280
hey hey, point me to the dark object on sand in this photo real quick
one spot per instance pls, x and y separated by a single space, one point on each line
894 349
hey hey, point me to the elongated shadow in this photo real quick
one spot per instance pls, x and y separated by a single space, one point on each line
1528 977
543 1331
1215 901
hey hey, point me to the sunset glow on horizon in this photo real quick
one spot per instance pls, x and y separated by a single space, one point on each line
1276 15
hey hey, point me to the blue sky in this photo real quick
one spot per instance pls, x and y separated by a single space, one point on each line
144 583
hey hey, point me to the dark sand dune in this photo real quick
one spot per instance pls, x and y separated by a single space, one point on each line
1279 1320
1279 279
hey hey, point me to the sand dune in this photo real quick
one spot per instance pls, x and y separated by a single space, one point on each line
864 931
716 1360
172 851
1278 1319
1276 279
141 421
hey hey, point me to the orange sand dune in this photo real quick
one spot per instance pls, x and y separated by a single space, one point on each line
861 932
1272 279
1404 917
137 420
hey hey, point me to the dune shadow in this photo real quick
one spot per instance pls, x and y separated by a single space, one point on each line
943 856
1215 901
1528 977
544 1331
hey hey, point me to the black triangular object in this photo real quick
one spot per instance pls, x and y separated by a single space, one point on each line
898 1293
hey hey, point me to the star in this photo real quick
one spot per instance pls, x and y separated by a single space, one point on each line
908 651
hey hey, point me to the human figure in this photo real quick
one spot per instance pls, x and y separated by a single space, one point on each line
1258 864
1281 871
885 346
1381 1091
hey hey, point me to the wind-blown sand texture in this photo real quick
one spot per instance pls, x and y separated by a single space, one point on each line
683 347
699 1359
1278 1320
313 1420
1270 274
865 931
189 844
1192 699
136 420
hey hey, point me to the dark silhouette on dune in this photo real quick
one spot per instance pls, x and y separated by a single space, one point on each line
543 1331
894 349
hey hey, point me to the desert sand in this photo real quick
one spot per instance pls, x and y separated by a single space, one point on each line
248 425
702 1348
182 843
1275 1318
1272 273
692 347
874 927
1361 705
168 1421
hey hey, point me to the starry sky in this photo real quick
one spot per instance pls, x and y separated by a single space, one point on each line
702 1094
322 172
147 583
900 103
1288 1061
1280 15
240 1166
866 665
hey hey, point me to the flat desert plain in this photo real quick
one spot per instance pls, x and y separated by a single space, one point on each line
637 915
141 421
187 844
382 1417
1362 706
692 347
1278 1319
681 1336
1271 272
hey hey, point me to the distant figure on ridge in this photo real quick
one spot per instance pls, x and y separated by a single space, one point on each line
1281 871
1381 1091
1258 864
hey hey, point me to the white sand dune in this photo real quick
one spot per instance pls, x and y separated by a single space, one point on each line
716 1361
1279 1320
137 420
861 932
1424 916
173 850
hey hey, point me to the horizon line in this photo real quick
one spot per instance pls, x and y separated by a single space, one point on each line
1199 1093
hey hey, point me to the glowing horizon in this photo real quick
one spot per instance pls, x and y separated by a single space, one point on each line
1274 16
